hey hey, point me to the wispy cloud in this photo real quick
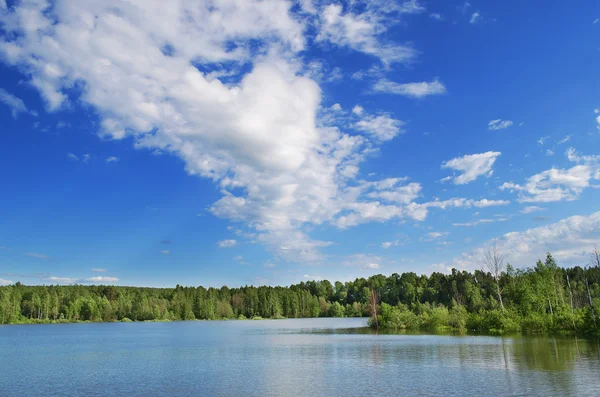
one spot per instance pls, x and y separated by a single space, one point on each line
99 270
227 243
165 252
531 208
565 140
61 280
5 282
382 127
102 279
15 104
414 90
316 278
36 255
475 17
473 223
112 159
499 124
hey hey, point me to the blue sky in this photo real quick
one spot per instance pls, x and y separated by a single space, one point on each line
275 142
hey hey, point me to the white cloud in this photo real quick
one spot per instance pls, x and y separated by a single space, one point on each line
270 265
382 127
372 266
474 223
570 241
575 157
471 166
221 86
414 90
227 243
549 152
99 270
60 280
72 156
564 140
357 110
112 159
388 244
165 252
15 104
363 31
435 235
542 140
36 255
102 279
559 184
316 278
553 185
475 17
499 124
5 282
336 107
596 21
531 208
436 16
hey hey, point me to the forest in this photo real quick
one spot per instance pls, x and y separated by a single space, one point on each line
498 298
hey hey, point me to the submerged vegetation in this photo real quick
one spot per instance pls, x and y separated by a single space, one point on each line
545 298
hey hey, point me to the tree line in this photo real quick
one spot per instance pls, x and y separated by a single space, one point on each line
497 298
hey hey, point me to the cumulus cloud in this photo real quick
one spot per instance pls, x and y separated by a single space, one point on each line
414 90
499 124
570 241
471 166
382 127
357 109
15 104
364 31
388 244
559 184
222 85
227 243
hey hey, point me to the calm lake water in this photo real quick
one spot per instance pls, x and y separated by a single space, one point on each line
308 357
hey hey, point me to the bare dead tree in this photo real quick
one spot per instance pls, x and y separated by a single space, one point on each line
373 307
596 257
493 262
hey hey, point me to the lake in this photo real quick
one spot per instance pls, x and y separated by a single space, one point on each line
304 357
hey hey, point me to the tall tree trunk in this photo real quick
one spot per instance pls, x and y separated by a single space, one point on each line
590 301
499 296
571 298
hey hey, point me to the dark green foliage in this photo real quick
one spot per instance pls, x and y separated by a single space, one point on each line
545 298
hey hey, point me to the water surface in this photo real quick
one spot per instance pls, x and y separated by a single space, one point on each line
306 357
